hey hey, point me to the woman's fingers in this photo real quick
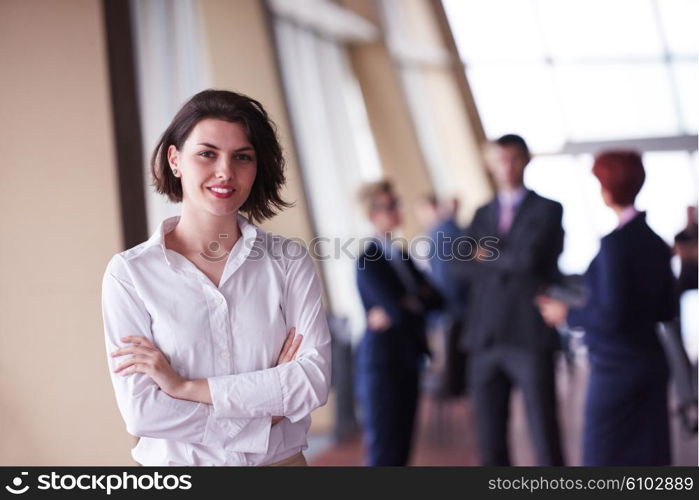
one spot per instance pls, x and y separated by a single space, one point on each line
290 354
132 349
287 344
134 368
289 339
131 362
138 339
289 351
136 344
295 347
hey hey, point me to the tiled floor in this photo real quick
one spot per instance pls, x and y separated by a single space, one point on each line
445 434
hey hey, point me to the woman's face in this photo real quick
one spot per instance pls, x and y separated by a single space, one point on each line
217 167
386 213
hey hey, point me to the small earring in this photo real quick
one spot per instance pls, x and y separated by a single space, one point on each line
174 171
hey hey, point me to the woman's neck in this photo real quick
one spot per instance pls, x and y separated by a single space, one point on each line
624 214
619 209
197 232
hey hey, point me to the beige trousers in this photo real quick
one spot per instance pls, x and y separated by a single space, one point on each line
297 460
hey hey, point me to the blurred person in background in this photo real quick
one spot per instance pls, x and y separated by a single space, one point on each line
200 320
396 297
686 248
686 381
508 343
630 289
438 221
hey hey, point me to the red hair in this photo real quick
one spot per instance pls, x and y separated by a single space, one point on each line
621 173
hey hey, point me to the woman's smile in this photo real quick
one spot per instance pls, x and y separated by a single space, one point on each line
221 190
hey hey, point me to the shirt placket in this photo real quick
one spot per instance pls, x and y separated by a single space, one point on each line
220 328
223 347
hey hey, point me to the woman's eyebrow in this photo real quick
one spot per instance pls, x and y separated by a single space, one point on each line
244 148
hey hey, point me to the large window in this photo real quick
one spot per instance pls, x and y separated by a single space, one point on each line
575 77
332 134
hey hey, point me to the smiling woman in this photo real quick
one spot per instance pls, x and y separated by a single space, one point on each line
201 319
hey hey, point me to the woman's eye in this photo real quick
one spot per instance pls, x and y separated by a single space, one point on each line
244 157
207 154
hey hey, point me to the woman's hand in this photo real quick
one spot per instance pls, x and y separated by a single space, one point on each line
148 359
290 347
377 319
288 353
553 311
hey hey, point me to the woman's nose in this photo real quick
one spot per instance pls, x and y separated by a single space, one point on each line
224 169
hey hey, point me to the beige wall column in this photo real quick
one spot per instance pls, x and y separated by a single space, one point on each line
60 224
389 116
467 134
417 39
459 128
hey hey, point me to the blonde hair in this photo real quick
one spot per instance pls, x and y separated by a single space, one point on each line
372 190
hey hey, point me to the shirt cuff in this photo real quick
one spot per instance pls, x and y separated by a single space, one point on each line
246 395
240 435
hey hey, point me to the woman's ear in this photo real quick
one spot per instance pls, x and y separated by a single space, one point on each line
606 197
173 158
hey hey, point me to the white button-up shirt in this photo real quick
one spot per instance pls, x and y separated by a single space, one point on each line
231 335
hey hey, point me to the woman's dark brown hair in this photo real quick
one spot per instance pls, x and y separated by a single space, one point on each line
265 199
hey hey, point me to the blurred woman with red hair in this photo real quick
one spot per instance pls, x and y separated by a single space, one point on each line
631 289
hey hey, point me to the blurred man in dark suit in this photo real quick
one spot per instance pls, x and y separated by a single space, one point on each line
396 297
508 343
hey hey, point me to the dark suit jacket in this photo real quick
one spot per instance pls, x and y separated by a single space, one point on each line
502 311
380 285
631 288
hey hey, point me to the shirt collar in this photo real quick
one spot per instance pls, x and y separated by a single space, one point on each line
512 198
627 215
247 230
158 237
237 256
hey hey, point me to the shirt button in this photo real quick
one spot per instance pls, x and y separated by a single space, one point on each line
225 355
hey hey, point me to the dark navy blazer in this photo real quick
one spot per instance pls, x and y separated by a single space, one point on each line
631 288
380 285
